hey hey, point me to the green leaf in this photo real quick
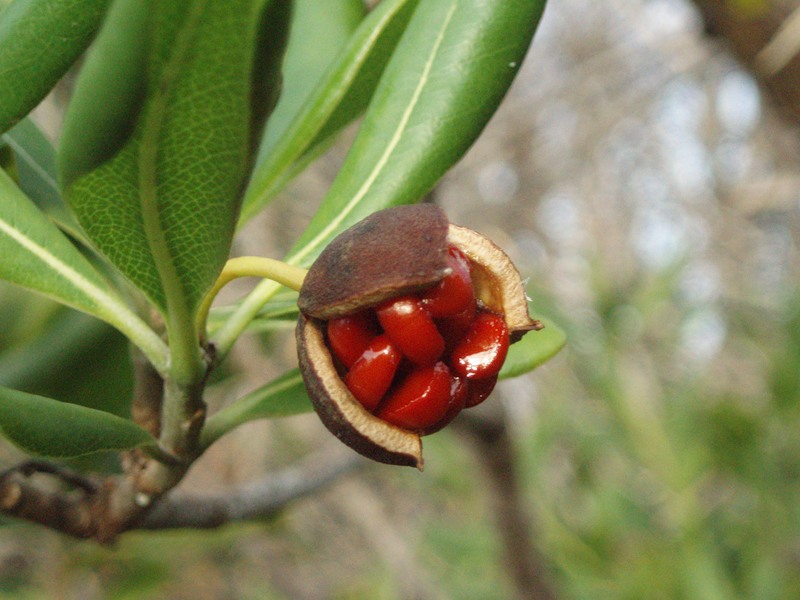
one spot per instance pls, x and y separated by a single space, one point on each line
109 93
75 358
282 397
160 199
340 95
39 41
54 341
279 313
447 76
23 317
534 349
35 160
37 256
47 427
319 31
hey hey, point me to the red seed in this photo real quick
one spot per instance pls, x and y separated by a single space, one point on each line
349 336
455 327
458 391
482 351
458 395
412 330
453 294
421 400
479 390
371 375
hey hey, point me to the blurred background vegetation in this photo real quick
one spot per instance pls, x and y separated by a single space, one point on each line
647 184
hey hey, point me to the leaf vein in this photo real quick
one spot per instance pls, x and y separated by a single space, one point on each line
106 306
390 147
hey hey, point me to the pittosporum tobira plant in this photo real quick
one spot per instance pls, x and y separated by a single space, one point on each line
185 120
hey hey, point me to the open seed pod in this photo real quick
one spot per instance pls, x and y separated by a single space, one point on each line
389 255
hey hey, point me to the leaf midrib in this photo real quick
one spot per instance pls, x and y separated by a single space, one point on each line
334 224
106 306
304 128
179 319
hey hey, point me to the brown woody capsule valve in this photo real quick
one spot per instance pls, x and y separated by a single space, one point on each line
405 320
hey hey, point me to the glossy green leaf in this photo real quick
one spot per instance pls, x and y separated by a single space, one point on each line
47 427
318 33
109 93
35 161
340 96
447 76
75 358
37 256
282 397
533 350
160 198
39 41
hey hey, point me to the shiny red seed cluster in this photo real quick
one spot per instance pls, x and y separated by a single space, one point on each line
416 361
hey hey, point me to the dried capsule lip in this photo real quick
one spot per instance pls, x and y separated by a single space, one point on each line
341 413
392 252
397 251
498 284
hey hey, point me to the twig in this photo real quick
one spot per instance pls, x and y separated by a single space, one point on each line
68 476
43 501
89 508
258 499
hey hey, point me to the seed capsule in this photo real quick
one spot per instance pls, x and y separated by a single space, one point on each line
419 315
